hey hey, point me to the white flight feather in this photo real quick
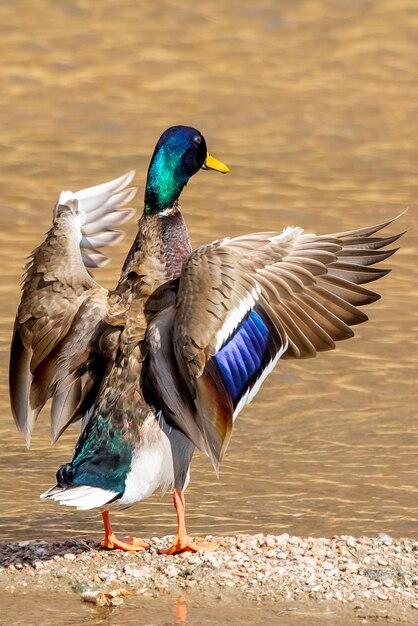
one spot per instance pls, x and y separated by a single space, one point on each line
235 317
250 394
100 210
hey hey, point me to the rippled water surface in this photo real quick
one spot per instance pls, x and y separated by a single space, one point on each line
314 106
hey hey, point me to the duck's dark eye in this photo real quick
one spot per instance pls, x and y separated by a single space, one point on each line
198 139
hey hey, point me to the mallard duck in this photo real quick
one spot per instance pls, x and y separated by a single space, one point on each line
164 363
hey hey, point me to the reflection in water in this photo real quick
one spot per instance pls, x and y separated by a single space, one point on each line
314 107
180 604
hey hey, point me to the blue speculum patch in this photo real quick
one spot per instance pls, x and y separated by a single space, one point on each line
241 358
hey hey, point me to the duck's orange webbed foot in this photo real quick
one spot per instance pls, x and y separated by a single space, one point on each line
187 544
182 541
134 544
111 542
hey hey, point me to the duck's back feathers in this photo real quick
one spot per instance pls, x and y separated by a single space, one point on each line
62 307
243 303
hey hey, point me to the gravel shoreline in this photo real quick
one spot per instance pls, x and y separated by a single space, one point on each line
354 571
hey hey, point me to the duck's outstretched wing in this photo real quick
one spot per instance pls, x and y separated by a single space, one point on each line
62 307
243 303
102 209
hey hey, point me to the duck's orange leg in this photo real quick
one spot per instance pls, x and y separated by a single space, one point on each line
182 542
111 542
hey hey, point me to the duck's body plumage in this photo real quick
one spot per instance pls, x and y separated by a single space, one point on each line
126 445
164 363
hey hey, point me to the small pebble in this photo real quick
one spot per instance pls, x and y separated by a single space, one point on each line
132 571
171 571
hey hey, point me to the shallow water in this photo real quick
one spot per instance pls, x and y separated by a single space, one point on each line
314 106
178 610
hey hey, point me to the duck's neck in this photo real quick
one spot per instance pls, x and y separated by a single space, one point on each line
162 243
161 246
165 182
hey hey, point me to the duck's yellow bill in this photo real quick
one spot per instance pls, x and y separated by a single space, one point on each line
213 164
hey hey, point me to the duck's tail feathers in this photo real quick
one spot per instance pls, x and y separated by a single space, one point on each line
83 497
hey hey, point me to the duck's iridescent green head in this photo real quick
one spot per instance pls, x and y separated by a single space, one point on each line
180 152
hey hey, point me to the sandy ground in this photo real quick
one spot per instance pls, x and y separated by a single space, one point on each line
372 577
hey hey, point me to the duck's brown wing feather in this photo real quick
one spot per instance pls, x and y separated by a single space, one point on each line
62 307
244 302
